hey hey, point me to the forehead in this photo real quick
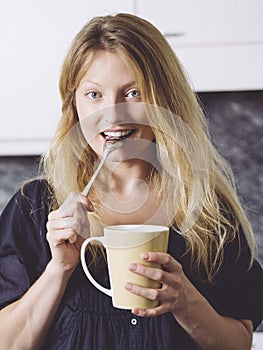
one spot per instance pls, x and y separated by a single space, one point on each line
107 64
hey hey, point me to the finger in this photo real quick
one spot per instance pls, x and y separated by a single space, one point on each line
80 211
78 242
78 198
62 223
149 272
88 204
164 294
56 238
157 311
73 238
148 293
71 204
82 221
166 260
173 279
54 215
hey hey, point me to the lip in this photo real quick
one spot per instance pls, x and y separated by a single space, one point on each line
131 132
117 129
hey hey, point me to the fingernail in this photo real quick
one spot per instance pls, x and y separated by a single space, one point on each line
132 267
91 208
145 256
135 312
128 286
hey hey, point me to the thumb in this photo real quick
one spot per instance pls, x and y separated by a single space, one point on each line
88 204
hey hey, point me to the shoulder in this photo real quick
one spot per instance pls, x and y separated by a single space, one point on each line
23 221
24 251
35 192
35 189
29 202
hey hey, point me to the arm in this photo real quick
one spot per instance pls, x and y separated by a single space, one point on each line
24 324
192 311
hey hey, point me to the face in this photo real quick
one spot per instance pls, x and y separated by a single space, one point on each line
109 106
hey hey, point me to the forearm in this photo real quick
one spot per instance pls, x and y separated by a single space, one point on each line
24 324
210 330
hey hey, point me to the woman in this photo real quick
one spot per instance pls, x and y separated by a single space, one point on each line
122 81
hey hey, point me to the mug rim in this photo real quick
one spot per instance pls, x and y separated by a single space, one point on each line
138 228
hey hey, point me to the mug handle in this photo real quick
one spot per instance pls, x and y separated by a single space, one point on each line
85 267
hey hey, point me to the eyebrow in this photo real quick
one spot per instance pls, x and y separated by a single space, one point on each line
92 82
97 84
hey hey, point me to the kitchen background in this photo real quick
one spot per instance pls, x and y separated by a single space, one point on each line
220 44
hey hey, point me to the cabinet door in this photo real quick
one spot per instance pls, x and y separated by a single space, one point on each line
35 36
219 42
206 22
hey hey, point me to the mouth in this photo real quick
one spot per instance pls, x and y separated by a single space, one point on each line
119 135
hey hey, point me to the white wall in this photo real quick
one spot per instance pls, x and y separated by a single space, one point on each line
34 37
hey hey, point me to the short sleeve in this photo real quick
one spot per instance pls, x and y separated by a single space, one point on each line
14 281
23 248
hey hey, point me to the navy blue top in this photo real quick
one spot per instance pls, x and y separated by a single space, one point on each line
86 318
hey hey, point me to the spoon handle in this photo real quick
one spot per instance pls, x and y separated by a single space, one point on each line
93 177
108 149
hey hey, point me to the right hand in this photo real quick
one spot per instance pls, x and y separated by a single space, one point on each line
67 228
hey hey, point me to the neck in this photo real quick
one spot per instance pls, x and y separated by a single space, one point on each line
127 176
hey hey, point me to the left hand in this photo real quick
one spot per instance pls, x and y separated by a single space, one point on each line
172 293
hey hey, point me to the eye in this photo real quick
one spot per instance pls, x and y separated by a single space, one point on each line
94 95
133 94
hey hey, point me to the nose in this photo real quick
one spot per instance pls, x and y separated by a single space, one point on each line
114 114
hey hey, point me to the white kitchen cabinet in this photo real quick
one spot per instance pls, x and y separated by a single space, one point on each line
35 36
219 42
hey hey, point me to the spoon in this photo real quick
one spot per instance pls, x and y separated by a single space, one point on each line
108 148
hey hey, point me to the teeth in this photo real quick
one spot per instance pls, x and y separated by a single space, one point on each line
115 134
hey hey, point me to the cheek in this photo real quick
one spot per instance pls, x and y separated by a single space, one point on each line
85 105
91 135
89 129
88 120
148 134
97 145
84 109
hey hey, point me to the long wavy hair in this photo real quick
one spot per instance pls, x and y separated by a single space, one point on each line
207 210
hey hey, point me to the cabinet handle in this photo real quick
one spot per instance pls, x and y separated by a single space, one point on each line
170 35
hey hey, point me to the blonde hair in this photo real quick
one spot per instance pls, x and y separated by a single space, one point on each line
207 210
